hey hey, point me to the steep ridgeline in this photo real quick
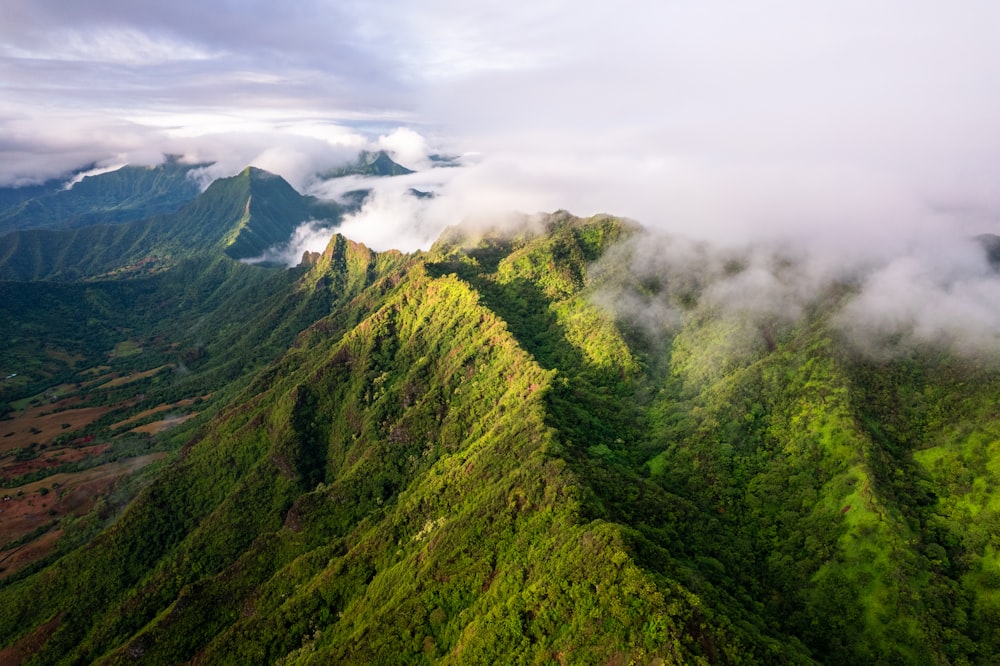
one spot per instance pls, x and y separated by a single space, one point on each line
394 487
241 216
128 193
464 459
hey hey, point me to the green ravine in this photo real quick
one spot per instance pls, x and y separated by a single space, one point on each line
461 456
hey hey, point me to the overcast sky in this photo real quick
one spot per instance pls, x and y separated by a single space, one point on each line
721 119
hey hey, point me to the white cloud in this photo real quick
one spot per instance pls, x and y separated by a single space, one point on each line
941 295
407 147
310 236
483 193
841 120
96 171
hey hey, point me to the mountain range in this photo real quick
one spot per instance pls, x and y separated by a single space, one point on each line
241 216
465 455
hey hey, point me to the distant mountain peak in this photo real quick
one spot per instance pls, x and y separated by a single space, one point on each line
381 162
259 208
241 216
991 245
370 163
258 174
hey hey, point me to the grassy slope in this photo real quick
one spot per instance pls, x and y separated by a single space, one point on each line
421 426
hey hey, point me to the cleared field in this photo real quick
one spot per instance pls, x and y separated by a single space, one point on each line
164 424
28 508
12 468
45 397
41 425
155 410
17 558
135 376
31 514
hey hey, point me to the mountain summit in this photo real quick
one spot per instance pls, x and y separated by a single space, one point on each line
245 214
370 164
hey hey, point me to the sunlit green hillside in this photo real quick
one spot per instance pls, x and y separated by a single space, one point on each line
467 456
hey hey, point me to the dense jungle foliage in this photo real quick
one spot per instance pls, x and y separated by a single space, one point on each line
464 456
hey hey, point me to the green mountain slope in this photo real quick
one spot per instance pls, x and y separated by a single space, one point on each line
240 216
458 456
194 315
128 193
13 196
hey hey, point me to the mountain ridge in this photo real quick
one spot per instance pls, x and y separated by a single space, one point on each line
240 216
465 455
125 194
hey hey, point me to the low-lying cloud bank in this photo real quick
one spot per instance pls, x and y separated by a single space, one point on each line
297 149
949 297
410 212
942 295
759 241
310 236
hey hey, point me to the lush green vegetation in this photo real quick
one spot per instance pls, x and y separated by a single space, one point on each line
458 456
128 193
241 216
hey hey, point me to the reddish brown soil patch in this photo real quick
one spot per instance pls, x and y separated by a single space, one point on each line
29 644
16 558
75 454
11 469
136 376
100 379
155 410
65 494
41 425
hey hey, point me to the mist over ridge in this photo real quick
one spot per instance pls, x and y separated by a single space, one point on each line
942 298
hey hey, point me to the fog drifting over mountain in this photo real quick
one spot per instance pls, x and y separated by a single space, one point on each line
728 121
857 135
